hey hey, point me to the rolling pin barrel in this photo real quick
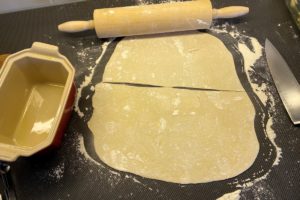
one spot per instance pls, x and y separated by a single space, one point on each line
149 19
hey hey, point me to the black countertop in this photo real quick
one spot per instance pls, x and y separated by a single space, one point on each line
70 173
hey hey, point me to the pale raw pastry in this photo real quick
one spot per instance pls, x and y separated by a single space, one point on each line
174 135
190 59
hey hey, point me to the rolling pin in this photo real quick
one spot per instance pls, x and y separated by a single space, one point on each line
151 19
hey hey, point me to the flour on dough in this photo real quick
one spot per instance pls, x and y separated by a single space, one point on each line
190 59
174 135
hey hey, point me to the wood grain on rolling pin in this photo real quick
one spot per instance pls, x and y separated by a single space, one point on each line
156 18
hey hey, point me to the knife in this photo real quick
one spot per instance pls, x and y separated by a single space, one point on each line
285 82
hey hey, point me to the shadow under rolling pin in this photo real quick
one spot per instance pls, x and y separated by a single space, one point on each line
151 19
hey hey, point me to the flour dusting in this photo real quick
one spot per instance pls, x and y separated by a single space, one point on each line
179 47
82 150
145 2
162 124
251 54
250 57
88 78
58 172
231 196
272 137
201 22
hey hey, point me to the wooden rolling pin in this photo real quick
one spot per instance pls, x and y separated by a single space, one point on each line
155 18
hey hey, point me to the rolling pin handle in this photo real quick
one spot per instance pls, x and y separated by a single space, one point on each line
76 26
230 12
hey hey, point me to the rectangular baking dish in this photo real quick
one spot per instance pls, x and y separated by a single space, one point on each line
36 99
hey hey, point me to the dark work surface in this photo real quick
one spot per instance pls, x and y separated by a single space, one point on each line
69 174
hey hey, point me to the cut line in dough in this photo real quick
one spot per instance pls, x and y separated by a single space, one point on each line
166 133
190 59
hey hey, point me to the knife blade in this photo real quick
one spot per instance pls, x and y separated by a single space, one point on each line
285 82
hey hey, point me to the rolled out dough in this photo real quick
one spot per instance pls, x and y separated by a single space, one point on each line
193 59
174 135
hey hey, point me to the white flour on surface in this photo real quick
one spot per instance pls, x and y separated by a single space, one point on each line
58 172
114 177
88 78
82 150
272 136
145 2
231 196
251 55
131 177
250 58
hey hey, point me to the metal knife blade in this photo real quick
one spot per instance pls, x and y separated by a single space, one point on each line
285 82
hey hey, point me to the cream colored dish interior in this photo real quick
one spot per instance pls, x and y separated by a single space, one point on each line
34 86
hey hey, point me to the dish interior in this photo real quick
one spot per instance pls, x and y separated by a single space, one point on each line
31 94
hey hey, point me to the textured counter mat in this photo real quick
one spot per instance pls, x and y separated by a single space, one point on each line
75 173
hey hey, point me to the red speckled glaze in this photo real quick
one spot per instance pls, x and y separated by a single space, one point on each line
65 118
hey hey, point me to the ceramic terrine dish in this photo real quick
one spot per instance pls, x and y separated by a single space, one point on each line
36 100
